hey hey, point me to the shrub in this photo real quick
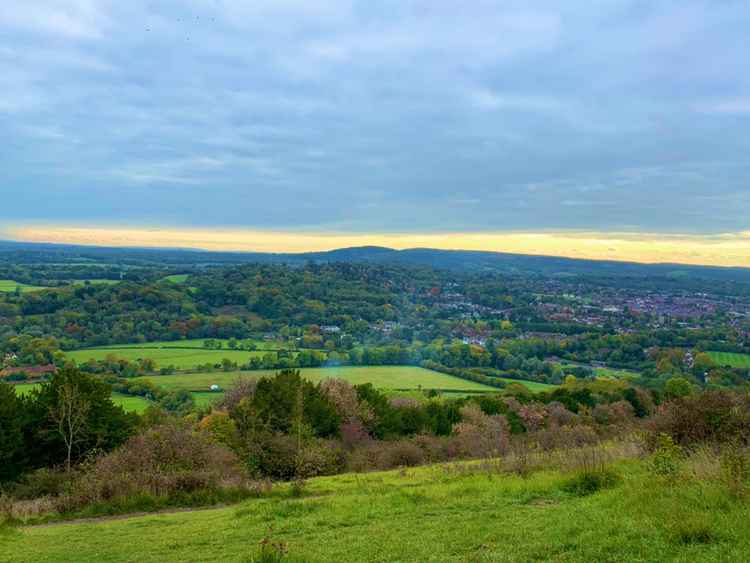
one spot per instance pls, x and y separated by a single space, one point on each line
165 461
709 417
735 469
41 483
667 458
403 453
480 435
559 438
620 412
280 456
378 455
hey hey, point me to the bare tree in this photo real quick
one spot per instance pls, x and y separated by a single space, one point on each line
70 417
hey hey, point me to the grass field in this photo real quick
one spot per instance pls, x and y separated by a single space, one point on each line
128 402
175 278
95 281
182 354
616 373
731 359
9 286
531 385
190 343
387 377
181 358
424 514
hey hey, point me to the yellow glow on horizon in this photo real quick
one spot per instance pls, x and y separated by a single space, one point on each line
730 249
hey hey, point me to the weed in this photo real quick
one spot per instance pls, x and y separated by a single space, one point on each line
588 482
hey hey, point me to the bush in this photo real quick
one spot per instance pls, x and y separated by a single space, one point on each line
709 417
43 482
382 455
480 435
667 458
279 456
164 462
735 469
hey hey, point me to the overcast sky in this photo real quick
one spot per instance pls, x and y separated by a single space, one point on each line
376 117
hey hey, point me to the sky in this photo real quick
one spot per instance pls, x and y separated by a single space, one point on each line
615 128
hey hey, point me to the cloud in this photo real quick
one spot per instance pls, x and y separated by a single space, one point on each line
76 19
391 116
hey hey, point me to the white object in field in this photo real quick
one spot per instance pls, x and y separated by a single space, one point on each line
215 387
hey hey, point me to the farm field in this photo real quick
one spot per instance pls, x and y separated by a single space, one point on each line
127 402
95 281
424 514
731 359
175 278
190 343
181 358
9 286
616 373
386 377
531 385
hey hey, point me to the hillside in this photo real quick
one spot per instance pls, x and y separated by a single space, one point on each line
457 260
465 512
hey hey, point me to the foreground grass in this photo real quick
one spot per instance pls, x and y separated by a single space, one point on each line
731 359
435 513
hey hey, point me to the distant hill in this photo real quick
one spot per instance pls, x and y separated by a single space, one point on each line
459 260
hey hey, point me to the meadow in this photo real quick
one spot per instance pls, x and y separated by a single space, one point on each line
731 359
385 377
127 402
9 286
456 512
534 386
182 354
179 357
176 278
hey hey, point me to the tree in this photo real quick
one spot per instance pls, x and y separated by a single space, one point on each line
11 433
677 387
82 404
70 415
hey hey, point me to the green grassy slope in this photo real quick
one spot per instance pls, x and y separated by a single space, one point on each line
425 514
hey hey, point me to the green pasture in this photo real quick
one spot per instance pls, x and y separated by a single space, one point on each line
194 343
181 358
534 386
95 281
385 377
731 359
176 278
127 402
9 286
443 513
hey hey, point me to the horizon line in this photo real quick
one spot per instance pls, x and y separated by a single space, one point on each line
722 250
